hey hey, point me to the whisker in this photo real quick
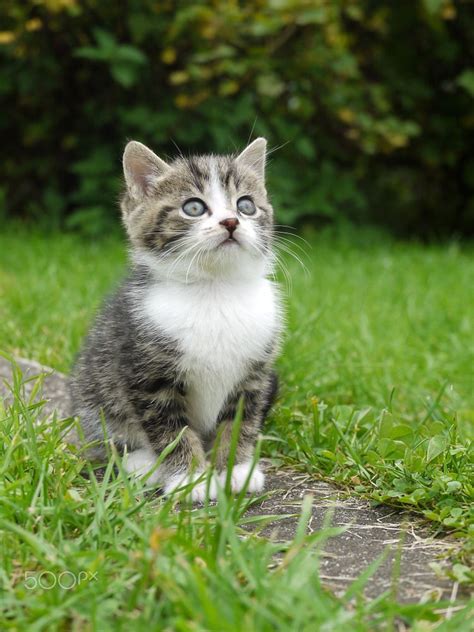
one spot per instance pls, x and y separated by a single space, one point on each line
288 242
178 243
182 256
192 260
277 148
251 131
295 257
290 234
275 258
180 153
286 274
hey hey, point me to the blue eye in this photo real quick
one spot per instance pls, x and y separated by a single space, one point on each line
246 206
194 207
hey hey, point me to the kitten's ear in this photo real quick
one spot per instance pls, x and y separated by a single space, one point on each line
141 168
253 156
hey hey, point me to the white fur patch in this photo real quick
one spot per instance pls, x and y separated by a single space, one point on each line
240 474
140 462
221 208
198 491
220 328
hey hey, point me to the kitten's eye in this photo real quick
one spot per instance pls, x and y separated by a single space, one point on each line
246 206
194 207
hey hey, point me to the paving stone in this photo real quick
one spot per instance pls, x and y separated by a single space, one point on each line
368 532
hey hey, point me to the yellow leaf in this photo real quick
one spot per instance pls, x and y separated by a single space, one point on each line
7 37
179 77
159 535
208 31
397 140
228 87
58 5
182 101
346 115
168 56
33 25
448 12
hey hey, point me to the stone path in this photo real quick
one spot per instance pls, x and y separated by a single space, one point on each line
368 530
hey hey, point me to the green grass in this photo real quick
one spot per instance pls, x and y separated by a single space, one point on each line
102 554
377 394
378 374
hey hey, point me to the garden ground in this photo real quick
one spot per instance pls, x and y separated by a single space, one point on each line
377 396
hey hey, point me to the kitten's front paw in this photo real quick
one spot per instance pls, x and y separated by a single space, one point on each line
239 476
198 491
140 462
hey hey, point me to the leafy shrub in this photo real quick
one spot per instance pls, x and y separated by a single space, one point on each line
369 102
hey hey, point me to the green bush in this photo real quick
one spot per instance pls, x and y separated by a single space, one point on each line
369 103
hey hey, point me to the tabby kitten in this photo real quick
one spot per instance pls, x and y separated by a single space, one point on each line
194 326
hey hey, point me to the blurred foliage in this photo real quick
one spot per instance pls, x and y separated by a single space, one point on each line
370 103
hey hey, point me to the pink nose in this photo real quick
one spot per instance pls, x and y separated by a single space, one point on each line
231 224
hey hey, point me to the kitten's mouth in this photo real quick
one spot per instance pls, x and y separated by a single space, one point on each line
230 241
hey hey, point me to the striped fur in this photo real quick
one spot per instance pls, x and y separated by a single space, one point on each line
193 327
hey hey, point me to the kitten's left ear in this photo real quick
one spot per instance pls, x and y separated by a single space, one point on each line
142 168
253 156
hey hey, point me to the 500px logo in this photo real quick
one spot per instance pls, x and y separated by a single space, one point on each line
66 579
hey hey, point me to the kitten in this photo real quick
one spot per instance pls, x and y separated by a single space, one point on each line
195 325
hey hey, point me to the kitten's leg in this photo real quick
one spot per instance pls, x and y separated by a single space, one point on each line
163 417
259 393
93 434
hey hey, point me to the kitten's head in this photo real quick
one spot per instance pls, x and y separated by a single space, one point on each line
200 217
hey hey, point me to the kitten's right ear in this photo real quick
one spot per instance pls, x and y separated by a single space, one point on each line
142 168
253 156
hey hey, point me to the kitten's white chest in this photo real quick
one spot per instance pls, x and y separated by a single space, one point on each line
220 328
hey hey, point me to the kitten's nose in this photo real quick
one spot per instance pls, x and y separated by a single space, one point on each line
230 223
